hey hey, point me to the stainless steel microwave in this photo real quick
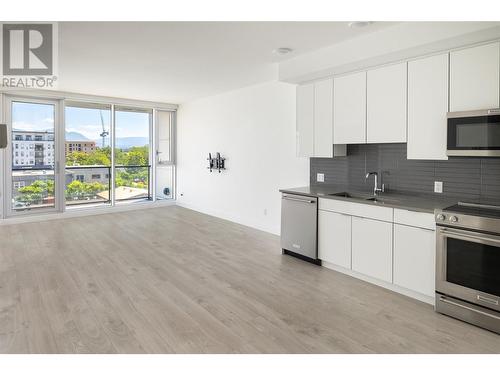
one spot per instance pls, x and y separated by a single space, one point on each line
474 133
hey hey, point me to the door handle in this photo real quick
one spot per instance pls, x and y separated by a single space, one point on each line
298 199
463 236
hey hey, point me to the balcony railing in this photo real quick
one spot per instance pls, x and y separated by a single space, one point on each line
83 187
84 184
132 182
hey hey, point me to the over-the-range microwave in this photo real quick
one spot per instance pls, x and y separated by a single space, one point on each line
474 133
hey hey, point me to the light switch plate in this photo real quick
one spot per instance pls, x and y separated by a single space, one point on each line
438 186
320 177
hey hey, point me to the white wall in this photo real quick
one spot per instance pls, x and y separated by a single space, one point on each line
254 128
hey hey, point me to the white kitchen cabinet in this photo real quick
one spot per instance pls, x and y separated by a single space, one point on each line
305 120
315 121
349 109
474 78
372 248
323 118
414 259
386 104
334 238
427 108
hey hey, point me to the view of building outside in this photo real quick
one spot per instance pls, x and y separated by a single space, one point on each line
87 152
33 155
88 155
132 172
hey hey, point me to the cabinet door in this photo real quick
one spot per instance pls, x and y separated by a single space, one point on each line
305 120
323 119
372 248
414 259
474 78
427 107
386 104
334 242
349 109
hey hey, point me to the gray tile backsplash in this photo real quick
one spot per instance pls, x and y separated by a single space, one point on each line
470 177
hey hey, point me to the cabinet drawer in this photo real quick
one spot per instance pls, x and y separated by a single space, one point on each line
415 219
356 209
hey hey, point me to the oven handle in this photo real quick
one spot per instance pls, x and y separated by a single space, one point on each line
445 300
463 236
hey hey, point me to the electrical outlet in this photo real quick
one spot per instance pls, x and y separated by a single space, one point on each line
320 177
438 186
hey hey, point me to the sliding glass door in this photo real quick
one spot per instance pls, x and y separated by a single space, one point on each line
87 154
132 154
32 157
69 154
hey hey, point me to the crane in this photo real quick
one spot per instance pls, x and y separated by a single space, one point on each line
104 133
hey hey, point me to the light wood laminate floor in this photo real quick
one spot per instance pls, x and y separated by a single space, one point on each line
171 280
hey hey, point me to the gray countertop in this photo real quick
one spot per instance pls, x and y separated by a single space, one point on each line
407 201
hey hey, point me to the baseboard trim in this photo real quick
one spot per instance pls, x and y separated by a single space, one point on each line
225 216
381 283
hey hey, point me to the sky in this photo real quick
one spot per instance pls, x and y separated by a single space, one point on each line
40 117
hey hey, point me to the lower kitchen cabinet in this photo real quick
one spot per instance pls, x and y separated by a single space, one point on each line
334 238
372 248
414 258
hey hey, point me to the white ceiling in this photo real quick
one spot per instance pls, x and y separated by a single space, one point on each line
180 61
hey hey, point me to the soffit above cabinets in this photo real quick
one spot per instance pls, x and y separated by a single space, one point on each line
401 42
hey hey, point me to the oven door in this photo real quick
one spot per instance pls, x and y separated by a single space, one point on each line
468 266
474 133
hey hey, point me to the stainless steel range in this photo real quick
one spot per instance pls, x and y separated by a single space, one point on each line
468 263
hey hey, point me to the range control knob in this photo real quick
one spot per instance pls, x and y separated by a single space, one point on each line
453 219
440 217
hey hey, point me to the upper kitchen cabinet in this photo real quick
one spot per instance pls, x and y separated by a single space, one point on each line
323 118
305 120
315 121
427 107
386 104
349 109
474 78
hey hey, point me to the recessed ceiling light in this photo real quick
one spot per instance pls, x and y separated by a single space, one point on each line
282 51
359 24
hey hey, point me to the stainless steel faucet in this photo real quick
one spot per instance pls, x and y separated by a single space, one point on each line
376 189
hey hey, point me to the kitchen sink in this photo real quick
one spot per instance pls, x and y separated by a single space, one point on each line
381 200
343 194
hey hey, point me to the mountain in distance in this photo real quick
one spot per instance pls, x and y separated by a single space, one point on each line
128 142
121 142
75 136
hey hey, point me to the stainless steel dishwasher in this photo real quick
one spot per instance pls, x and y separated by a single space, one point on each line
299 226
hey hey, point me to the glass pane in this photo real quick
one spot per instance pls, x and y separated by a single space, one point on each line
132 155
473 265
164 137
165 182
478 135
88 155
33 156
